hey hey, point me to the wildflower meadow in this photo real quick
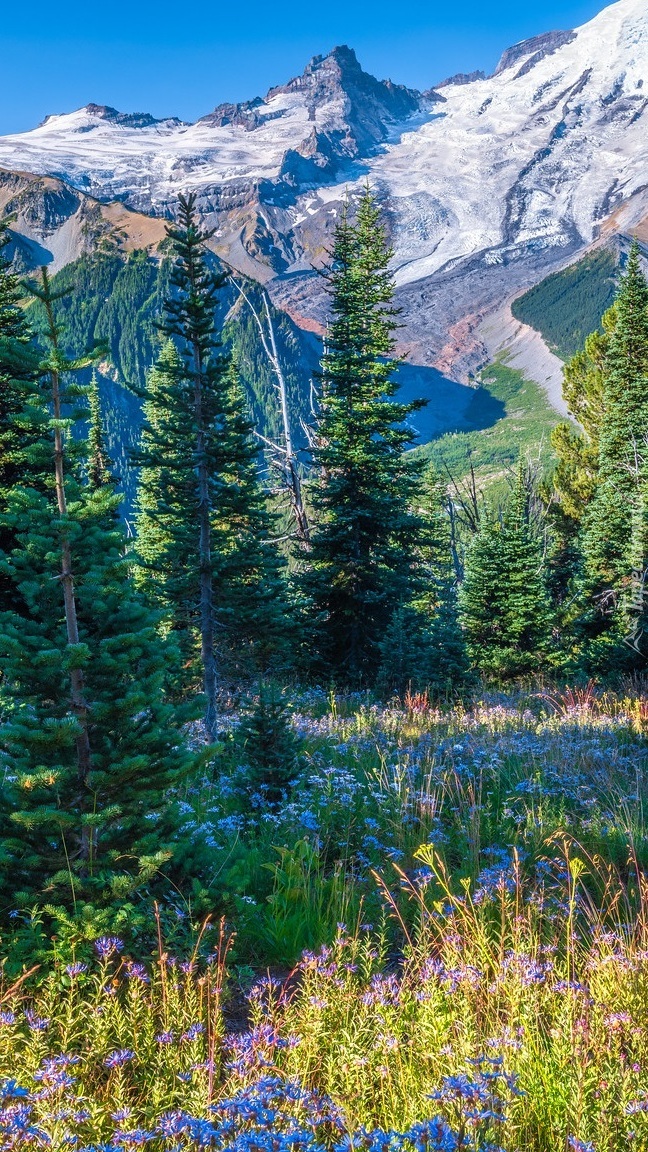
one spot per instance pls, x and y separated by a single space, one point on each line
450 952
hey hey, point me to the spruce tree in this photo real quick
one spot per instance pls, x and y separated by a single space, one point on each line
365 489
90 745
504 605
98 460
269 746
610 536
633 605
623 434
203 531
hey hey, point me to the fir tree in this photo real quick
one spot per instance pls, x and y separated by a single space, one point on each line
505 609
622 436
574 479
364 495
610 537
18 371
423 647
98 461
626 371
90 745
203 530
633 607
270 747
54 367
569 490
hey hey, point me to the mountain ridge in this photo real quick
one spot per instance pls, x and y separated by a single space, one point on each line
486 185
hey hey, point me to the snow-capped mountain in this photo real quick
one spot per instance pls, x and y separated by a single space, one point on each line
538 154
301 133
487 182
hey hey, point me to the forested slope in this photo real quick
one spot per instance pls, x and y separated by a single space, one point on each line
568 305
115 300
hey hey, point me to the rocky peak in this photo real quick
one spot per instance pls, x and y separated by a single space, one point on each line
127 119
458 78
244 115
534 50
367 106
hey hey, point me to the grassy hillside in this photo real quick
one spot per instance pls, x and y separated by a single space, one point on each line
523 425
568 305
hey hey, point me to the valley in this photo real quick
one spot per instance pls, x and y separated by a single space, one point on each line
488 184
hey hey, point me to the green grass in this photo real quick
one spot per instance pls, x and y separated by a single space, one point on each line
523 428
568 305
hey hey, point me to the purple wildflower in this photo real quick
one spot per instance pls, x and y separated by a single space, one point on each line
119 1058
76 969
36 1023
106 945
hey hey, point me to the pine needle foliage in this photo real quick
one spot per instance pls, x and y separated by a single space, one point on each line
423 648
613 535
90 745
204 534
18 371
269 745
365 490
98 460
504 604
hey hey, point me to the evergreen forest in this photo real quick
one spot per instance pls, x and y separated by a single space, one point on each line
322 767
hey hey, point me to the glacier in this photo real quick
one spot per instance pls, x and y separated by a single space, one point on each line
486 182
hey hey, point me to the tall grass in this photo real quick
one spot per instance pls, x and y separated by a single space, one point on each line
470 890
522 1006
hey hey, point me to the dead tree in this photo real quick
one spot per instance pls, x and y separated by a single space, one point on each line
282 455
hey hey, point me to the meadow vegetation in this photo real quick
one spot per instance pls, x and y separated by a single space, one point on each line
524 426
454 934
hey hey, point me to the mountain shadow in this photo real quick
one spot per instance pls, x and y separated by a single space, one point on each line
451 407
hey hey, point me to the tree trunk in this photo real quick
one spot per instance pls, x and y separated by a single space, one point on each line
293 479
205 561
77 692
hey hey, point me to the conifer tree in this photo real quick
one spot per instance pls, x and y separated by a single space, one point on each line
575 476
633 606
18 370
504 606
610 536
365 493
90 745
98 460
203 530
53 368
270 747
623 433
423 647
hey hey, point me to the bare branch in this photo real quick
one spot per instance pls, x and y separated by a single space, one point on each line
283 456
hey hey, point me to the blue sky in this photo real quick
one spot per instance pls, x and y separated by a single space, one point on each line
171 59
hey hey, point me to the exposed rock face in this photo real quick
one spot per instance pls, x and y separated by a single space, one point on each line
241 115
532 51
459 78
366 108
126 119
54 224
